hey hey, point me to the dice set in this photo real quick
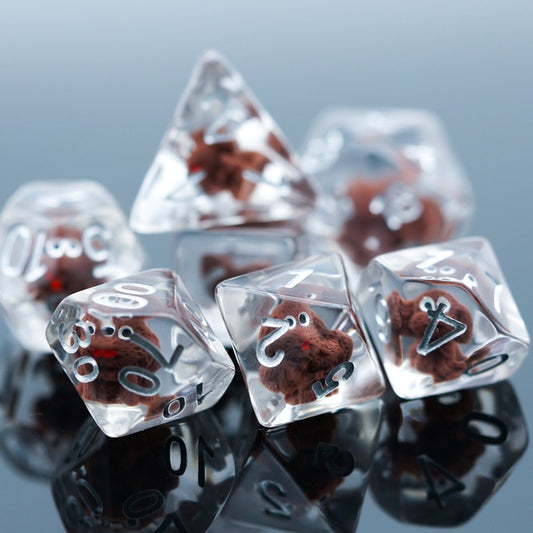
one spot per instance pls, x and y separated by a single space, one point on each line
389 299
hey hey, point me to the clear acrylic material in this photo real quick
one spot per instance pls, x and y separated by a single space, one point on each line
442 317
441 458
40 411
205 258
222 161
307 476
57 238
387 178
170 478
298 340
139 352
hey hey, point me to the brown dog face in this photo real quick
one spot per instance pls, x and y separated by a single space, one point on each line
69 270
310 351
414 318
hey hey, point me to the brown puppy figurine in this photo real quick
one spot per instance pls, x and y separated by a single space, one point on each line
223 165
310 350
366 233
412 318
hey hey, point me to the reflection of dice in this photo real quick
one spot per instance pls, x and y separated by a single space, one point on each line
170 478
442 317
40 411
222 161
307 476
139 352
442 457
55 239
298 340
388 180
205 258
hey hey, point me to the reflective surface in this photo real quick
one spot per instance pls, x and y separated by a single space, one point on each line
434 461
88 90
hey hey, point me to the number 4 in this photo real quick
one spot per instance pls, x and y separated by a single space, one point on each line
436 477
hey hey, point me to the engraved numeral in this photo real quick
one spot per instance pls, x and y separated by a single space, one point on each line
22 255
479 421
489 363
172 520
299 276
437 314
435 257
203 450
282 326
176 457
331 383
174 448
436 491
144 374
337 462
271 492
143 504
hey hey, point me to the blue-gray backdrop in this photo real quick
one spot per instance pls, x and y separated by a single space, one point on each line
87 89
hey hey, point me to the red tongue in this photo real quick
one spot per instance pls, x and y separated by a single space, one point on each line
305 345
107 353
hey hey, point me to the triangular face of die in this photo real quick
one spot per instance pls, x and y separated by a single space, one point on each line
223 161
316 280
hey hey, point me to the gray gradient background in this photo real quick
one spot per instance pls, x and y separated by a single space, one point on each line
87 89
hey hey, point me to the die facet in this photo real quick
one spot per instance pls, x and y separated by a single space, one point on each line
203 259
442 457
170 478
307 476
222 161
139 352
298 339
387 180
442 317
57 238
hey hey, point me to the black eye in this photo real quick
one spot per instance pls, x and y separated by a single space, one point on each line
92 329
125 332
291 321
109 331
304 319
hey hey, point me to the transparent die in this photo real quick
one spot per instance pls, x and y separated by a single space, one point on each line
205 258
40 411
299 342
170 478
307 476
387 178
139 352
222 161
442 317
441 458
57 238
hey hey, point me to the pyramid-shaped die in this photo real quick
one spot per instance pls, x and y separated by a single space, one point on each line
298 339
222 161
442 317
139 352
